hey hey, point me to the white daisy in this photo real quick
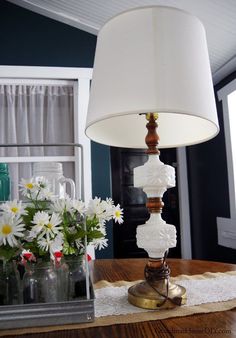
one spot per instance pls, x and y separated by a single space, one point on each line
10 228
28 186
62 205
44 244
109 201
95 208
41 219
51 245
14 208
47 225
56 246
43 183
29 235
107 210
100 243
118 214
102 228
110 206
103 210
79 206
45 194
79 244
44 189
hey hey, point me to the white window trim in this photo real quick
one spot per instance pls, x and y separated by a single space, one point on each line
184 209
226 227
81 78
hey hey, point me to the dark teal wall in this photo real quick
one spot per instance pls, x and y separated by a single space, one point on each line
101 178
33 40
209 194
30 39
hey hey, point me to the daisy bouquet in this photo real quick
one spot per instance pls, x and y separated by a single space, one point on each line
45 227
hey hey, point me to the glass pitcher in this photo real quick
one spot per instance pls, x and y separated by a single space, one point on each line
53 172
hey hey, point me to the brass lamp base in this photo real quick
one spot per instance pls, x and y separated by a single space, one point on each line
144 296
157 292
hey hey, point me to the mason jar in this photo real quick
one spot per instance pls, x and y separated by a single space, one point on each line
10 290
77 277
45 283
31 284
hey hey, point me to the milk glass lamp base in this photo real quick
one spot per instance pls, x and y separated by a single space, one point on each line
145 296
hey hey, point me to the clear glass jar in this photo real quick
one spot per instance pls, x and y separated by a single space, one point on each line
48 282
77 277
31 285
62 272
45 283
10 290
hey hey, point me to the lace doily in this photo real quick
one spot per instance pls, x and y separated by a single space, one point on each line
112 300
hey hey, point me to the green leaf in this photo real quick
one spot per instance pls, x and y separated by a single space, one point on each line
95 234
91 223
68 250
8 253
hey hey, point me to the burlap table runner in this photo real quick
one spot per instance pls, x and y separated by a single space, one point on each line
139 317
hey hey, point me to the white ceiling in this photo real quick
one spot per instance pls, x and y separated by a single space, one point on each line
218 17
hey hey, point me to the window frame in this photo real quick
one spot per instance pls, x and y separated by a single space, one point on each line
226 227
81 78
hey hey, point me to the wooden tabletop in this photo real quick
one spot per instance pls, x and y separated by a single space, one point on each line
217 324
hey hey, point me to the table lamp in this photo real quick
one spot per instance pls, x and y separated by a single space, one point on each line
152 63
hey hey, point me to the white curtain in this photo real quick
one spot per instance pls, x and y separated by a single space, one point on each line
35 114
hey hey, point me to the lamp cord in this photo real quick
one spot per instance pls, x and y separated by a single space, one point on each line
153 275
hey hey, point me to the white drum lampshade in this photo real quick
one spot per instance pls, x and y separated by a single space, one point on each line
152 59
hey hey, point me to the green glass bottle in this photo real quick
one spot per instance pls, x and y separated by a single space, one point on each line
4 182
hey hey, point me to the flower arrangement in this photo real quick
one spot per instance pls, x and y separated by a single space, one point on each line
45 226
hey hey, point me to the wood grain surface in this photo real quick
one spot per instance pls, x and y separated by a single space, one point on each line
217 324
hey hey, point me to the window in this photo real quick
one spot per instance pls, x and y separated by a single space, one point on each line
232 125
227 227
79 81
